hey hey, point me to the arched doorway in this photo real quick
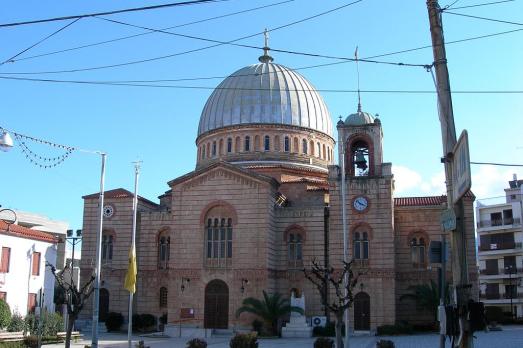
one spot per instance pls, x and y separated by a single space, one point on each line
216 305
362 312
103 305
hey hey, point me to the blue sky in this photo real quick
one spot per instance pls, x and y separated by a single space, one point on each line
159 125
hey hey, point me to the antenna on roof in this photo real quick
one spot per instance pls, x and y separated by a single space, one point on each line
266 58
358 70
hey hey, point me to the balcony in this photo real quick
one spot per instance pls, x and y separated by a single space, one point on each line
490 296
500 271
499 222
500 246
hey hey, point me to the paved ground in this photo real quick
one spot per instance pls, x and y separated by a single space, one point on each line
510 337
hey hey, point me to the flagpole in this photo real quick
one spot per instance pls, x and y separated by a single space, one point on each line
133 251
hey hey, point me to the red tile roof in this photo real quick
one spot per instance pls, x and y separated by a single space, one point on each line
118 193
24 232
425 201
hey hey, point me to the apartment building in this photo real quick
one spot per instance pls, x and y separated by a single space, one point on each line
500 251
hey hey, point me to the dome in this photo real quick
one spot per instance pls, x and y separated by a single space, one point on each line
360 118
265 93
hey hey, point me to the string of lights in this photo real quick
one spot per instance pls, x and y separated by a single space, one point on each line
149 32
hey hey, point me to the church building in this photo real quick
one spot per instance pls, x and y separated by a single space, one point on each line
263 201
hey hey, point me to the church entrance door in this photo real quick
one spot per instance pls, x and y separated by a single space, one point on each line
362 312
103 305
216 314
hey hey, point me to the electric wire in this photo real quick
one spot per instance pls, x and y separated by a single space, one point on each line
483 18
148 33
10 60
498 164
261 89
219 43
478 5
106 13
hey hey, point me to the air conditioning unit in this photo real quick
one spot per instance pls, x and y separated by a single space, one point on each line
319 321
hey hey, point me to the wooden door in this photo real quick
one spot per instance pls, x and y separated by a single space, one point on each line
362 312
103 305
216 314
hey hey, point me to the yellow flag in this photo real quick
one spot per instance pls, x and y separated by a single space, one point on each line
130 277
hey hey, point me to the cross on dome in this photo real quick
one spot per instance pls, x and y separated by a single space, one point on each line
266 58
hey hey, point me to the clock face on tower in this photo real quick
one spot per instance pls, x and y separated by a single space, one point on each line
360 203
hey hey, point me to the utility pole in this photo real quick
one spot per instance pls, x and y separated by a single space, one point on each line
448 132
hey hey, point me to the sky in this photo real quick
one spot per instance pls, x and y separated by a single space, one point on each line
158 125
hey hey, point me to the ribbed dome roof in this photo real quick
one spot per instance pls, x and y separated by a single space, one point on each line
359 118
265 93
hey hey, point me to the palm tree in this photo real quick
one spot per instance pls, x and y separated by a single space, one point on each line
271 308
427 296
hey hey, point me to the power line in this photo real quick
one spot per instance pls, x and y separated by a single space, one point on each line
135 9
10 60
498 164
483 18
255 89
219 43
148 33
477 5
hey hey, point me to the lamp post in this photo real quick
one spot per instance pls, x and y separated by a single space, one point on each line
15 220
73 241
6 144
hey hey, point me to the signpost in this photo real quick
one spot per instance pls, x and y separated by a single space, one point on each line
461 167
448 220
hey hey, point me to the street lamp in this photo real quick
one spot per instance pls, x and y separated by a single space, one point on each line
15 220
6 144
73 241
244 282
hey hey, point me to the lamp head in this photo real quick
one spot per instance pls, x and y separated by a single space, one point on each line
6 142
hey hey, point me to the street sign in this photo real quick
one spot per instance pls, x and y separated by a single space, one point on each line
448 220
461 180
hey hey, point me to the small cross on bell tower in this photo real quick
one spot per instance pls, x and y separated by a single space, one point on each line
266 58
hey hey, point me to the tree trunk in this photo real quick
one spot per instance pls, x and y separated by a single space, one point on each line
70 323
339 323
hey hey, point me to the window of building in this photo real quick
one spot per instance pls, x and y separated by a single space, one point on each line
361 246
511 291
318 153
417 252
214 149
507 217
107 247
247 143
267 143
35 269
304 146
229 145
492 291
31 303
163 297
6 259
491 267
509 263
359 158
219 241
286 144
164 244
203 152
496 219
295 250
328 153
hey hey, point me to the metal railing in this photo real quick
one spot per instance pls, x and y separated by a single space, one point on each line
499 222
500 246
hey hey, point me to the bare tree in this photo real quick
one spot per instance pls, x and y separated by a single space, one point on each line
75 296
322 277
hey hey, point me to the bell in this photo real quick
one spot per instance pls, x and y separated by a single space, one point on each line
360 162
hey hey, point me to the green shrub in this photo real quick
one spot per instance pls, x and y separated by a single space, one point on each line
5 314
114 321
323 342
384 344
494 314
17 323
143 322
15 344
249 340
196 343
30 325
52 323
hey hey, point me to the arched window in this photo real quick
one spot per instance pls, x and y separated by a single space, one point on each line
203 152
267 143
359 158
319 149
324 152
295 257
218 241
247 143
361 246
286 144
311 145
214 148
417 252
304 146
229 145
164 244
328 153
163 297
107 246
